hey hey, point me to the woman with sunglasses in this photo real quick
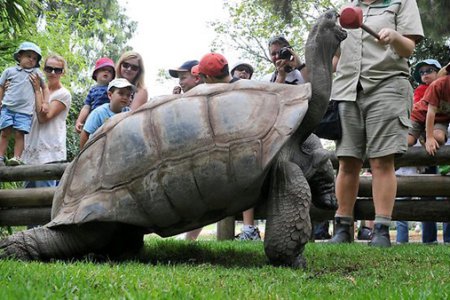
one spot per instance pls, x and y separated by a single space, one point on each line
131 67
46 141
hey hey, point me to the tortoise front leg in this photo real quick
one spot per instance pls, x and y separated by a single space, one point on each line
288 226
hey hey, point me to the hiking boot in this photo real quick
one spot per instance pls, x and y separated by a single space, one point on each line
342 233
15 161
380 236
249 235
364 234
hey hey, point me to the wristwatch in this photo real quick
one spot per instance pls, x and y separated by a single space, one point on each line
301 66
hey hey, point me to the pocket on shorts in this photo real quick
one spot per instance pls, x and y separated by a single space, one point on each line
405 121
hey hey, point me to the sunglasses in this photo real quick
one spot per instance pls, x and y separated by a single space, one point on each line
131 67
50 70
427 71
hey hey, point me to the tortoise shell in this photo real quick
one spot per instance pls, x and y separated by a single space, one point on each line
181 161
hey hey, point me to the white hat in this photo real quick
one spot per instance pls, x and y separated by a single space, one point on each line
121 83
242 63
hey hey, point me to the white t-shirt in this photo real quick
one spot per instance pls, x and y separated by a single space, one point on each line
293 77
47 142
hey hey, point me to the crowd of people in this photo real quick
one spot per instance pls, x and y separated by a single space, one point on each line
371 85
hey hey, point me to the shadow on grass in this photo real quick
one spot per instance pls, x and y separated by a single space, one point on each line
226 253
230 254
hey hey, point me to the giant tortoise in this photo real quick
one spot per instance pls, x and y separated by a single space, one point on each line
184 161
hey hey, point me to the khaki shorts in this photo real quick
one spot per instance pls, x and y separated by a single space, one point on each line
376 124
418 130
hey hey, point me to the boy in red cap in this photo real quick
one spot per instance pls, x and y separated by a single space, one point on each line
103 74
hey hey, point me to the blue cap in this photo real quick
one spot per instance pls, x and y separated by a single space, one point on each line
427 62
25 46
185 67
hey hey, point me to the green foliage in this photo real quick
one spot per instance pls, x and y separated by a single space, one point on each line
79 30
435 20
15 13
238 270
429 48
251 23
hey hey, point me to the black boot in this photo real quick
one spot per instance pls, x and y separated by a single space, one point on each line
380 236
342 233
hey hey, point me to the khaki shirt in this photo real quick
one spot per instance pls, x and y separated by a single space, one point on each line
366 61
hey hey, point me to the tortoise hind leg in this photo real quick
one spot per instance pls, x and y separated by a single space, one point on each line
288 226
63 242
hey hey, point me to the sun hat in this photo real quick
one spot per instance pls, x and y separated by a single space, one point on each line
25 46
185 67
430 62
242 63
121 83
101 63
212 64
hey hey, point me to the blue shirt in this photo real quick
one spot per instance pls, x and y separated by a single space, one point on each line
19 97
98 95
98 117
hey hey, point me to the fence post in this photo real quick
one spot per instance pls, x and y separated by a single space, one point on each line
225 229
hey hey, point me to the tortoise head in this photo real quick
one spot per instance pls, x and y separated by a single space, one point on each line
326 32
322 44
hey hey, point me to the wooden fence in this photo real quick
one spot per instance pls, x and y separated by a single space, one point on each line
32 206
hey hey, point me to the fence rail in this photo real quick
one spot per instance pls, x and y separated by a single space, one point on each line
33 206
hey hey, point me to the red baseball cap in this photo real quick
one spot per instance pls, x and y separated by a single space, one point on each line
212 64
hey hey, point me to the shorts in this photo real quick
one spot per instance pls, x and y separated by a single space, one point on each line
418 130
18 121
376 124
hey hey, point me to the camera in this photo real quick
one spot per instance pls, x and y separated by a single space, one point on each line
284 53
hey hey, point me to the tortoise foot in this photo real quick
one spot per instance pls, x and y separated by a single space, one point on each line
14 247
299 263
326 201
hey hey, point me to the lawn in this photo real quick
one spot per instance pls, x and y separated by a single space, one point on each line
206 269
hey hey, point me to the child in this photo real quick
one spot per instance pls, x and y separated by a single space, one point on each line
103 74
17 100
431 114
120 94
438 98
425 73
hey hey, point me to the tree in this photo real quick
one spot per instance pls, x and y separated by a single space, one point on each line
435 20
251 23
434 15
79 30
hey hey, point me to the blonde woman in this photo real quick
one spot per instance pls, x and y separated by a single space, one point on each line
46 141
131 67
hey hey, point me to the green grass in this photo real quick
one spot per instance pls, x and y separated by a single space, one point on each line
177 269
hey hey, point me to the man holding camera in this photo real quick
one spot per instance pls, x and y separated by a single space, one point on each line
289 69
